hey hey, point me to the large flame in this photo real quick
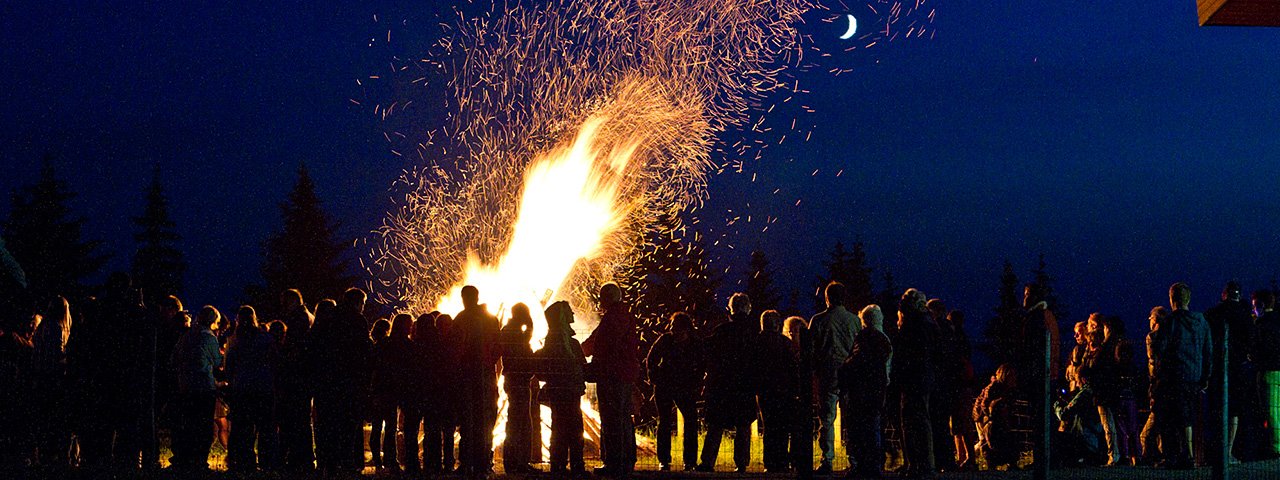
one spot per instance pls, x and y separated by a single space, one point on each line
569 206
571 203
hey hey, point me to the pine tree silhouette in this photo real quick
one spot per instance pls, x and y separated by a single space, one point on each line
1001 331
46 239
158 264
304 254
760 288
850 268
674 275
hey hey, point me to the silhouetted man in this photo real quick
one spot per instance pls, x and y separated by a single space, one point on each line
477 330
340 349
615 350
731 385
1267 359
913 374
1241 380
943 398
251 376
295 384
675 370
1186 353
832 331
779 380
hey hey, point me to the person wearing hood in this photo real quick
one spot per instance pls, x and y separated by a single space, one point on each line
560 364
731 385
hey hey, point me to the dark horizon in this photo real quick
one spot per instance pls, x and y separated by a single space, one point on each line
1132 148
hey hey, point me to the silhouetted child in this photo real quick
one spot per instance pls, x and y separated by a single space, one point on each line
560 364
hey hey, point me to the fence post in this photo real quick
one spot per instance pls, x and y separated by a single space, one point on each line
1220 424
1044 412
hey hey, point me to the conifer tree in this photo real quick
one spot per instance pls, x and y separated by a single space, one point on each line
850 268
158 264
46 238
760 286
305 254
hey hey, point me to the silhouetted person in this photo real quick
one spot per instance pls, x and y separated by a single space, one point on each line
15 397
960 369
1266 358
560 363
796 329
295 384
614 348
833 331
1185 354
52 433
1150 437
438 444
392 359
779 377
517 373
171 320
865 375
421 383
675 370
195 358
1038 321
994 418
913 374
250 372
1100 375
942 398
1242 381
127 378
477 331
340 349
731 384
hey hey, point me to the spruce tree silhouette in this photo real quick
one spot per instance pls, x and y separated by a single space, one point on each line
760 288
45 238
158 264
848 267
304 253
1001 331
673 276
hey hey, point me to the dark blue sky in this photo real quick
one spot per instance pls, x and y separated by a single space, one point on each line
1128 145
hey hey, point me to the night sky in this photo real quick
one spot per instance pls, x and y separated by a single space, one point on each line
1128 145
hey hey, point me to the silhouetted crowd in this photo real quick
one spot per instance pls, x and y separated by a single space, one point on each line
94 386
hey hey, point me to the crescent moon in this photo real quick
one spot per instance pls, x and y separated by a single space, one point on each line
853 28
